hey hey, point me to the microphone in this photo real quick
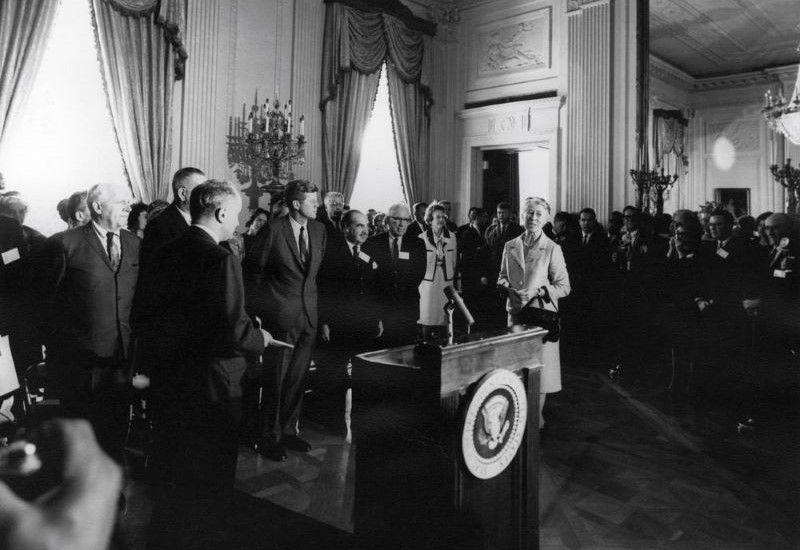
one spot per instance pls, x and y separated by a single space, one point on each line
455 298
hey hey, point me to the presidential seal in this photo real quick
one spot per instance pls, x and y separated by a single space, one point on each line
494 423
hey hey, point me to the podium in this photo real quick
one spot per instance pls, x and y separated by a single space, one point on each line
447 444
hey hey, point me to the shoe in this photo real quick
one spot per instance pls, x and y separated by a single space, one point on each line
294 443
271 449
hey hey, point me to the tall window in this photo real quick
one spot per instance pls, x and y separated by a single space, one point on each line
378 182
63 142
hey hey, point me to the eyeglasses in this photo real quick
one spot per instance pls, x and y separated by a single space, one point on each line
401 220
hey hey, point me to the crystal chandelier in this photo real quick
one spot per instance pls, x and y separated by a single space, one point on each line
266 144
784 116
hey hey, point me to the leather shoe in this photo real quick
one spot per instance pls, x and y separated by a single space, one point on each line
294 443
271 449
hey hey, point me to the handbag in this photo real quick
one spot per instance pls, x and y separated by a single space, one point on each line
539 316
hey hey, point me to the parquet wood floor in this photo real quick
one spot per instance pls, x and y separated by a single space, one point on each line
619 470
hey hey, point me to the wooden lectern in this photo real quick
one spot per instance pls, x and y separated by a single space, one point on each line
442 459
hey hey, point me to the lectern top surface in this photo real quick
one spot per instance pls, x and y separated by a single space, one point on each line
405 356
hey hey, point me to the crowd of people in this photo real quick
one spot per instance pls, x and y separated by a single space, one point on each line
224 326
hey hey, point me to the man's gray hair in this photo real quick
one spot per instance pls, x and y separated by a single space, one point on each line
331 196
207 197
392 211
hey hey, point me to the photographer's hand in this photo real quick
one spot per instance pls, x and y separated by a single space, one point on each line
79 513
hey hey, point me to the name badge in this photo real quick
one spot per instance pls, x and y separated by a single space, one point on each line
722 253
363 256
11 255
779 273
403 255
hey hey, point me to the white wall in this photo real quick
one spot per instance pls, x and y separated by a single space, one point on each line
728 141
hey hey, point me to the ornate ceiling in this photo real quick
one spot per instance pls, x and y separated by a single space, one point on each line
720 37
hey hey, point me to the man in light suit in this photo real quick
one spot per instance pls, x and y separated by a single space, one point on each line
401 264
175 219
87 277
281 274
192 302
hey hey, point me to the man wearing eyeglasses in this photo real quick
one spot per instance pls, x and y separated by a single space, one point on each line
401 261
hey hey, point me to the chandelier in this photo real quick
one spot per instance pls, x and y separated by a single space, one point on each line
266 144
784 116
789 178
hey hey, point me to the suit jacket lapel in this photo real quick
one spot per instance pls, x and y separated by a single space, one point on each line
517 252
91 237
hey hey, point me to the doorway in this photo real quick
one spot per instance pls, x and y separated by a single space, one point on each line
511 175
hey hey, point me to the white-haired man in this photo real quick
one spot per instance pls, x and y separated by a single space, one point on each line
401 262
332 215
88 279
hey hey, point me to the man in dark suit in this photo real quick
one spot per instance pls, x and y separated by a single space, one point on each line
175 219
87 277
282 290
499 233
418 226
473 263
348 316
401 264
191 302
331 214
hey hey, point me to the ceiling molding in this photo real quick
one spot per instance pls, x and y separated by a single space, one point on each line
666 72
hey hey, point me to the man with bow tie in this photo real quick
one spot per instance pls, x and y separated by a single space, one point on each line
87 277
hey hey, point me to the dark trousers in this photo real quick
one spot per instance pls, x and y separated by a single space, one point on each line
284 378
400 323
96 389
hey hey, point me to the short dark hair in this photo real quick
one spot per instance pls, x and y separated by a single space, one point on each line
347 217
182 176
207 197
295 188
63 213
76 201
504 205
420 204
726 215
587 210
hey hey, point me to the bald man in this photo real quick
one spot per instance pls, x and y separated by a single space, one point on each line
87 277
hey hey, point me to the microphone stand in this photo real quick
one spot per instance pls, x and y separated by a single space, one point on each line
448 309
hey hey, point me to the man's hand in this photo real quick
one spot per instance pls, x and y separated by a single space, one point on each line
267 337
751 306
325 333
78 514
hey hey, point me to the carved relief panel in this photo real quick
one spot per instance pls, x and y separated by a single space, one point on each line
511 49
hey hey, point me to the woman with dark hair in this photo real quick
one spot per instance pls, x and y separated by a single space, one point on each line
258 219
137 219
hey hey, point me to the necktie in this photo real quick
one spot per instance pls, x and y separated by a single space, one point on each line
774 255
585 239
113 250
303 247
395 250
355 251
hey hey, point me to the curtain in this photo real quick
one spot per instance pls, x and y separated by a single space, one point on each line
141 56
669 139
357 42
25 26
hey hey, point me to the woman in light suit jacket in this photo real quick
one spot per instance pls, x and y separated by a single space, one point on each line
442 252
533 265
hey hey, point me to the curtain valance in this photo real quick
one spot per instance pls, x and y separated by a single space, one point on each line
669 135
169 16
360 40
